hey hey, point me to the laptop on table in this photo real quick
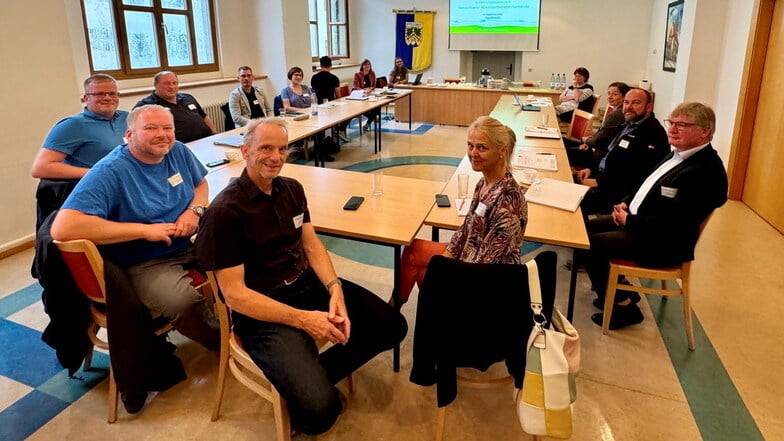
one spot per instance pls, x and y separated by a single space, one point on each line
417 80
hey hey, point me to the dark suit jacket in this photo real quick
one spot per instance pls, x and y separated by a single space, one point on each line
626 168
666 228
602 138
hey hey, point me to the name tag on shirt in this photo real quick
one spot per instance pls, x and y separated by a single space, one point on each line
256 102
175 180
298 220
481 209
624 144
669 192
192 106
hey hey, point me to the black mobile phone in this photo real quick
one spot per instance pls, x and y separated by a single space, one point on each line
218 162
353 203
442 200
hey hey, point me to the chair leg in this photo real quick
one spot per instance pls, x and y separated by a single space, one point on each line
687 307
609 298
222 368
113 396
351 388
282 421
440 421
88 358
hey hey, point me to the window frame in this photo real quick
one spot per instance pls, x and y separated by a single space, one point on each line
322 8
125 71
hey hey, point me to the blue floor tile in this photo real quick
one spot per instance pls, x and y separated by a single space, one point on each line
22 349
25 416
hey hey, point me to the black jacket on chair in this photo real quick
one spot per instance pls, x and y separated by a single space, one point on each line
475 315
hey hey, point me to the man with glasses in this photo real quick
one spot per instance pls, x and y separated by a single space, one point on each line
639 144
190 120
77 142
659 224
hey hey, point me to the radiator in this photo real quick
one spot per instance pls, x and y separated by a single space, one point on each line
216 115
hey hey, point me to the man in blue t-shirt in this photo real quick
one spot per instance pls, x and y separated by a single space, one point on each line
77 142
141 204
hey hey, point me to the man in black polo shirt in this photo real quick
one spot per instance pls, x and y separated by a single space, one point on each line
190 120
282 287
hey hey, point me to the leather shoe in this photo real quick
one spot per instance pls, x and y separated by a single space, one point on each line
622 316
133 401
366 127
632 295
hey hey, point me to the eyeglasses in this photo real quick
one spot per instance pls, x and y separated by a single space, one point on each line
103 94
679 125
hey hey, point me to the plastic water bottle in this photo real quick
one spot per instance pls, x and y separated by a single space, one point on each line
563 81
552 81
313 104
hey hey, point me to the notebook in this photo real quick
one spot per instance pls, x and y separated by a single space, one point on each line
542 132
229 141
357 95
417 80
555 193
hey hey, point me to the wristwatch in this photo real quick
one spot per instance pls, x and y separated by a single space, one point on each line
199 210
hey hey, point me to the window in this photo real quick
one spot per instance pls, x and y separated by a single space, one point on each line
328 28
137 38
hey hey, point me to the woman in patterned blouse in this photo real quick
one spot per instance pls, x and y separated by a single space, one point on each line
493 229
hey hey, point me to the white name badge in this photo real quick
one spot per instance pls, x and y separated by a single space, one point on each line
256 102
192 106
306 95
669 192
481 209
175 180
298 220
624 143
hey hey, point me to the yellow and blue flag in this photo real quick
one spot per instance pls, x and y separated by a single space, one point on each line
415 40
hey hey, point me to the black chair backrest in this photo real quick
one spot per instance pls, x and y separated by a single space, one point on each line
277 104
381 82
587 104
228 122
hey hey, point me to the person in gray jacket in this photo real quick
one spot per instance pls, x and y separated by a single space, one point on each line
247 101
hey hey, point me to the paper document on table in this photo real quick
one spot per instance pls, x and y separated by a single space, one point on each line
358 95
229 140
463 205
555 193
542 132
542 161
540 102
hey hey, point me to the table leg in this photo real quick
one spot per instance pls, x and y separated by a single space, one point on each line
572 285
396 304
410 115
434 236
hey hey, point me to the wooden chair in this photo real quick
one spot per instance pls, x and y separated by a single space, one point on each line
607 111
86 266
628 268
579 125
241 365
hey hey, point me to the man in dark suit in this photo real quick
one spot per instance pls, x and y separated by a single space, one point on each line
659 224
638 146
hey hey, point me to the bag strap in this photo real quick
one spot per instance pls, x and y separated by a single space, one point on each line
535 294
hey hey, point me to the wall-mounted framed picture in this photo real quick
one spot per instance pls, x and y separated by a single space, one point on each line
672 35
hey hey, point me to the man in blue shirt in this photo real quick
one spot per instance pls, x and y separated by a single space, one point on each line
77 142
140 205
190 120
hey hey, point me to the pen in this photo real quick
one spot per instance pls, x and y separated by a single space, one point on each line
462 202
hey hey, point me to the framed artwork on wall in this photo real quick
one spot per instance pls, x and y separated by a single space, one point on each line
672 35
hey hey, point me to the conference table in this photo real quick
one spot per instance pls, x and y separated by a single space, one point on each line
314 126
545 224
459 104
391 219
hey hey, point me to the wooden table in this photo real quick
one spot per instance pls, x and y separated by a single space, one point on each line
545 224
456 104
391 219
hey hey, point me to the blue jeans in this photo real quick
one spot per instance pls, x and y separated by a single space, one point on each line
291 361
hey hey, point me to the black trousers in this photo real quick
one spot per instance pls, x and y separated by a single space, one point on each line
608 241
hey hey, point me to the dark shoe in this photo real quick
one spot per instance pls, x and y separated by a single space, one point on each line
631 295
133 401
622 316
366 127
328 158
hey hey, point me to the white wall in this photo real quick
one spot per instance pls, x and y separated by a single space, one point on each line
43 53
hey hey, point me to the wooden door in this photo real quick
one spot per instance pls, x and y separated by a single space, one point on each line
763 189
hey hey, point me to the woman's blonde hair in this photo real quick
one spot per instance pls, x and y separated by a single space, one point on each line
501 136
